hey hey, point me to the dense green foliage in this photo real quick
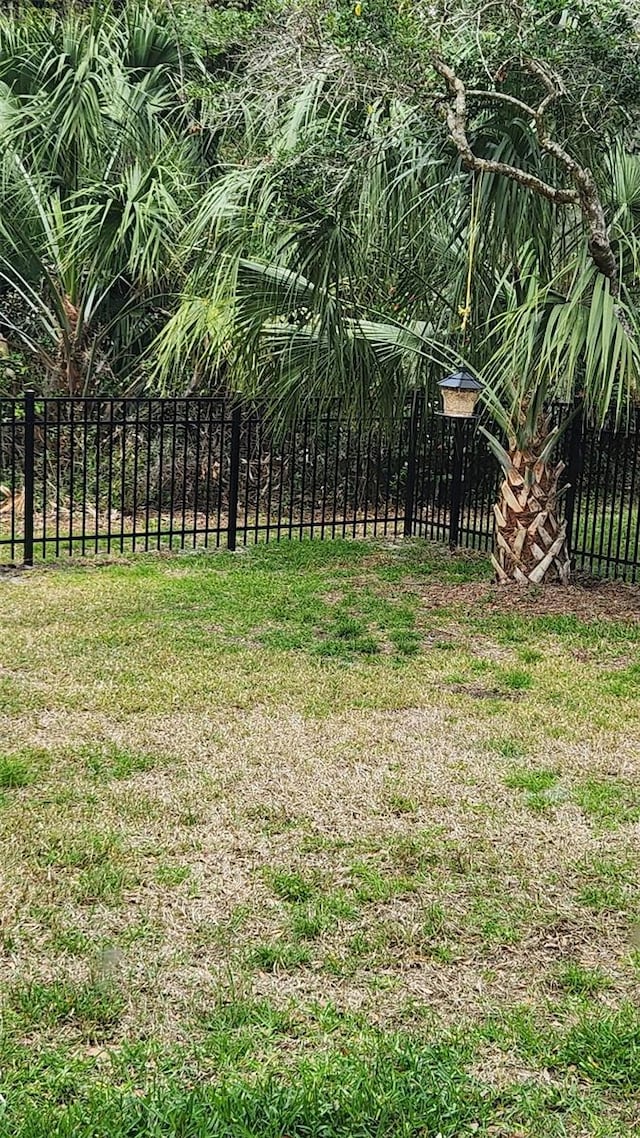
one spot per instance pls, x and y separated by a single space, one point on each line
268 198
110 135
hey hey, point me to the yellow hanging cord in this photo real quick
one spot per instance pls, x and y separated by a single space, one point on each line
465 312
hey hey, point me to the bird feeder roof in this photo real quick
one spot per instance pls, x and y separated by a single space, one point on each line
461 381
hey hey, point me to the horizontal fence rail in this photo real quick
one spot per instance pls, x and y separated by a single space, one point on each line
81 476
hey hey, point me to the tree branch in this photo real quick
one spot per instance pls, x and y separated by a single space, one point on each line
585 192
592 209
456 115
501 97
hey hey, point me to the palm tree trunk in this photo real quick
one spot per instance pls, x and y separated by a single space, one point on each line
70 350
530 537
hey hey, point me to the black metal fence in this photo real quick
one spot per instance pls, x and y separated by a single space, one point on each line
81 476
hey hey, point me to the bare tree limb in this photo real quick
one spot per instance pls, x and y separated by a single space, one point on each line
456 115
584 193
501 97
592 209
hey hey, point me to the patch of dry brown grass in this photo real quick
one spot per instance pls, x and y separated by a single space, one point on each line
238 793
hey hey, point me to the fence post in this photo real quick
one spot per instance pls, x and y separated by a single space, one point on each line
29 474
456 484
234 478
575 463
410 487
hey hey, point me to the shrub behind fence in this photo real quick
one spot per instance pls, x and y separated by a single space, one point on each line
80 476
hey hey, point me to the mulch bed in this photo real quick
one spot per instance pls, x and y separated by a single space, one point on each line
587 599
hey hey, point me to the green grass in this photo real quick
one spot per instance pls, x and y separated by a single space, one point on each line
624 682
621 523
508 748
71 941
497 922
382 1083
609 885
605 1049
290 886
372 884
94 1008
400 804
237 1028
312 918
102 884
279 956
198 627
266 869
535 781
87 849
515 679
383 1086
601 1047
172 875
439 566
15 771
541 786
434 921
609 803
579 981
107 760
313 909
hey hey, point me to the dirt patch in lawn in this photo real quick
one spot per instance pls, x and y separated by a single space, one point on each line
587 600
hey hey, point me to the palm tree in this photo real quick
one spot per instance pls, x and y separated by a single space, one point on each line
567 322
98 167
353 251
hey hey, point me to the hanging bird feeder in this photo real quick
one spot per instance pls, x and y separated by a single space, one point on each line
460 393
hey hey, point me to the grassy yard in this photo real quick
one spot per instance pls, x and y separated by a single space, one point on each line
316 841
